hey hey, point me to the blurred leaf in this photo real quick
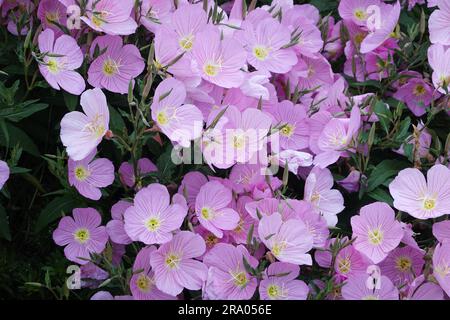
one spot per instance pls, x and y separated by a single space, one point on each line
22 111
381 195
383 171
54 210
165 165
17 136
70 100
381 109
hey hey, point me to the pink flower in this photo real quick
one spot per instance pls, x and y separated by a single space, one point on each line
288 241
82 235
421 290
280 283
264 45
239 139
439 24
242 229
190 186
227 276
441 230
174 264
152 218
299 22
178 121
402 265
89 175
422 199
325 200
155 13
52 13
438 58
310 73
294 132
60 58
356 10
142 283
115 227
81 133
187 21
218 61
337 136
212 207
116 67
4 173
126 171
268 206
356 288
110 16
441 265
351 182
376 231
350 262
389 16
315 223
417 94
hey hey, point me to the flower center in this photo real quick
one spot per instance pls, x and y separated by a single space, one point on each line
162 118
278 248
375 236
273 291
207 213
187 42
144 283
52 65
211 69
82 235
211 240
240 279
429 204
442 269
238 141
96 126
287 130
419 90
403 264
153 224
360 14
260 52
344 265
110 67
98 19
81 173
172 260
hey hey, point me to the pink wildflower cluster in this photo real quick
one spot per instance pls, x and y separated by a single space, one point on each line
249 89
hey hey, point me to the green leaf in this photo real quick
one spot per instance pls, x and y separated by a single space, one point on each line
380 195
116 121
4 224
17 136
383 171
54 210
165 165
70 100
381 109
22 111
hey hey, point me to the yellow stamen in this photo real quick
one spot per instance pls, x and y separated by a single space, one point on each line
375 236
82 235
81 173
260 52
